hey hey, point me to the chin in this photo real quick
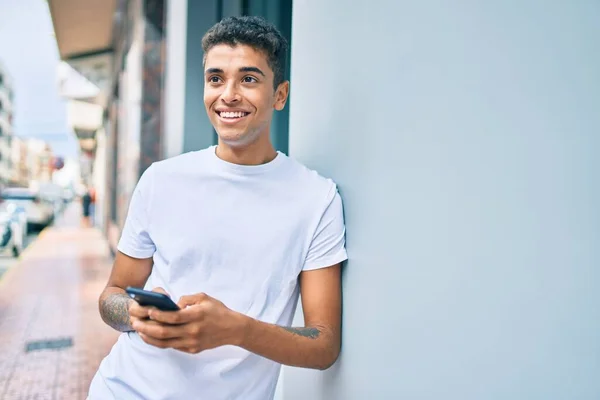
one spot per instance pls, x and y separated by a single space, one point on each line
237 139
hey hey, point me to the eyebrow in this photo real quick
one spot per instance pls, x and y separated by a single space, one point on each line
242 69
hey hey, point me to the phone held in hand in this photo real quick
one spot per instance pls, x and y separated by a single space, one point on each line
152 299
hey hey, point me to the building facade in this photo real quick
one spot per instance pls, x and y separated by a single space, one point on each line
463 141
39 162
20 163
6 125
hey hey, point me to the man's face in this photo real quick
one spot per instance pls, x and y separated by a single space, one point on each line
238 93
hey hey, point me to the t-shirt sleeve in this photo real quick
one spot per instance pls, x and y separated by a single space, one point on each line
135 238
328 246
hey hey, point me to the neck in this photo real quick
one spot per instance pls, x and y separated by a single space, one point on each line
256 153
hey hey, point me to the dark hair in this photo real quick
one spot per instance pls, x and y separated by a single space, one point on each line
255 32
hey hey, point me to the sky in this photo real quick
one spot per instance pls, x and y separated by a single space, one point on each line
29 54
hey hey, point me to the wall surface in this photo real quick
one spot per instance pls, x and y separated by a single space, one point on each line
464 139
199 133
175 68
187 127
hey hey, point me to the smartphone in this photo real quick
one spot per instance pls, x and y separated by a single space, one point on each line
152 299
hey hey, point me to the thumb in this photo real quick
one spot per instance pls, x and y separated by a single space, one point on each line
190 300
160 290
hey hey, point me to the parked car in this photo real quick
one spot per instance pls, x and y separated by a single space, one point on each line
39 211
13 228
52 193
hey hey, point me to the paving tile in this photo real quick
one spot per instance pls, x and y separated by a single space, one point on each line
50 294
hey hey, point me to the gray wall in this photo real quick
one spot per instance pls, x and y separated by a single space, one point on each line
198 131
186 126
278 12
464 141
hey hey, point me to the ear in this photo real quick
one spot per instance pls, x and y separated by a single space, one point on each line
281 95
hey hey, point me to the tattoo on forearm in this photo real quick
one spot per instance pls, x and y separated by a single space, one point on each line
115 311
311 333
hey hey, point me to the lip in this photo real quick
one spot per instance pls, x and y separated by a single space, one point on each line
220 110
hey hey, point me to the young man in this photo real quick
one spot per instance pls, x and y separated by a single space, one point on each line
232 233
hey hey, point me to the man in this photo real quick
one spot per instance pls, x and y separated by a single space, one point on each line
86 205
232 233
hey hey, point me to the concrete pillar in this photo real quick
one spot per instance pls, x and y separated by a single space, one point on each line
175 78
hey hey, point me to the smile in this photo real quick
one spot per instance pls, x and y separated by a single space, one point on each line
231 116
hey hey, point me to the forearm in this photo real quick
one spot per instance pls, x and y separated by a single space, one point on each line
114 308
307 347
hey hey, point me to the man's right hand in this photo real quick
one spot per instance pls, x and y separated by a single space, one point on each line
137 312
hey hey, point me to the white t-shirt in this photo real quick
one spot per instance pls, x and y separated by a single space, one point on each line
241 234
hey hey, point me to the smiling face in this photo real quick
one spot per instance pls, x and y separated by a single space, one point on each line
238 94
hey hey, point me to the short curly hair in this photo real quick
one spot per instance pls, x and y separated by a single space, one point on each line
255 32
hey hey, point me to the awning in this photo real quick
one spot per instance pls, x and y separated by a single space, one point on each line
82 27
83 31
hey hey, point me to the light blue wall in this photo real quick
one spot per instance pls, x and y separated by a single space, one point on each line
464 137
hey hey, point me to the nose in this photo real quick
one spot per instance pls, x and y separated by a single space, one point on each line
230 93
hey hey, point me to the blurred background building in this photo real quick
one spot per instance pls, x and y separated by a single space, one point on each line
6 124
39 162
24 162
463 139
20 162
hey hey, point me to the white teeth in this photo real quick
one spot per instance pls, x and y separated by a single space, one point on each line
236 114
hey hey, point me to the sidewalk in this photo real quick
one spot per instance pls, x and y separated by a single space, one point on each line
51 336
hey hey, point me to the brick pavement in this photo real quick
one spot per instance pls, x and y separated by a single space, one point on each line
51 294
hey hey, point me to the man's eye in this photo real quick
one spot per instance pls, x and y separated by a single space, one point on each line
214 79
249 79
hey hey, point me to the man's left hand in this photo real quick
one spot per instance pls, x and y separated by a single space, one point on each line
202 323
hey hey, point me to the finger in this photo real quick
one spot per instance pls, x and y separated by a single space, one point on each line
186 301
134 321
135 310
161 290
184 316
158 331
163 344
189 349
190 346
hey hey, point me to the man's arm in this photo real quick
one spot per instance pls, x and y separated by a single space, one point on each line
317 344
114 302
205 323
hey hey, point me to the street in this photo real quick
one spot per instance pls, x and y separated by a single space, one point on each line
7 261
